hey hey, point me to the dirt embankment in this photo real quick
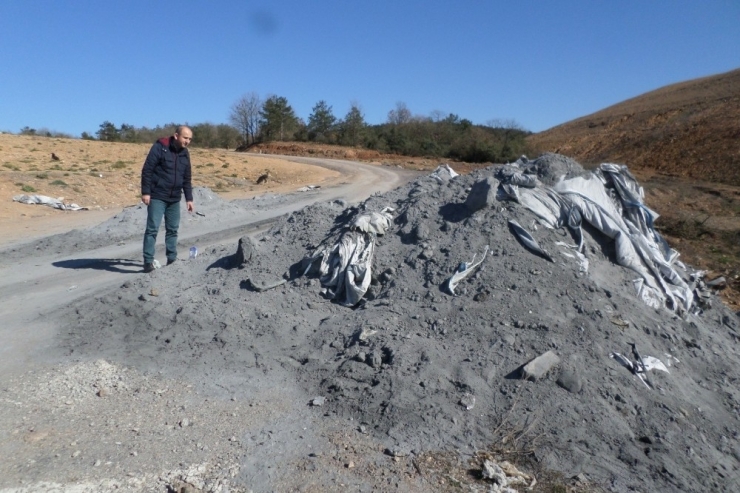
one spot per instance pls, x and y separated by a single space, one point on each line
359 154
690 129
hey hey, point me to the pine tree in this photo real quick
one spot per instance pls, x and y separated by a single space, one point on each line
277 119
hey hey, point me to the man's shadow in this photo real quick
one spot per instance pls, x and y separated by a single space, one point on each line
109 264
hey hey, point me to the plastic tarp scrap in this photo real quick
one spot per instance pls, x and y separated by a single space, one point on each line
648 294
546 204
345 268
582 260
575 222
464 270
444 173
47 201
528 240
512 174
373 222
640 365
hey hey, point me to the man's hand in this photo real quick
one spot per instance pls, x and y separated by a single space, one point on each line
191 207
146 199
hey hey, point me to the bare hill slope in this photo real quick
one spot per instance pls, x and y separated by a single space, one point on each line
689 129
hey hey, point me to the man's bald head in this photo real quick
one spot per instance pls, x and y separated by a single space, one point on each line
183 136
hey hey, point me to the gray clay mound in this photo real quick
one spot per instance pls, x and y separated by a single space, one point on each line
424 370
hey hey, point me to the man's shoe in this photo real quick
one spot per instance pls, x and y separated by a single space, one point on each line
148 268
172 261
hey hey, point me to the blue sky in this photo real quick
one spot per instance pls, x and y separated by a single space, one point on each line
67 66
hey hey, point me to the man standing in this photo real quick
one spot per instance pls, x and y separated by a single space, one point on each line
166 173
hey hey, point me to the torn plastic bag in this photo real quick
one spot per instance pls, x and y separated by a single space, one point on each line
528 240
508 191
463 270
611 201
373 222
522 180
653 363
631 196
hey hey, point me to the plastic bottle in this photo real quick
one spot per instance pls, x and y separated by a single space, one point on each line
193 252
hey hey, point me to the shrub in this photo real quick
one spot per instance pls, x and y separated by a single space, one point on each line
118 165
59 183
42 176
27 188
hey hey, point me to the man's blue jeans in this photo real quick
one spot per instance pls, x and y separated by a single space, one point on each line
155 211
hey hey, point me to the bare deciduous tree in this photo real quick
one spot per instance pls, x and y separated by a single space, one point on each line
245 116
400 115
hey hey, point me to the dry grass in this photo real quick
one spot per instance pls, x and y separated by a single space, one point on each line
105 177
516 441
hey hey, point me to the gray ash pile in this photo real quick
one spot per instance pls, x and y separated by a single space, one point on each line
583 331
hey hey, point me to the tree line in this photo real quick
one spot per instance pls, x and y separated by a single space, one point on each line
253 120
438 135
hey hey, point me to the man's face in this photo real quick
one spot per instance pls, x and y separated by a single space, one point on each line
183 139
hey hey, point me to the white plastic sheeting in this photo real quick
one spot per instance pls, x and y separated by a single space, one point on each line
345 269
373 222
464 270
47 201
611 201
640 367
444 173
528 240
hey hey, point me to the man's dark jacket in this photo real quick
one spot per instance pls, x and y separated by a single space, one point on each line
167 172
